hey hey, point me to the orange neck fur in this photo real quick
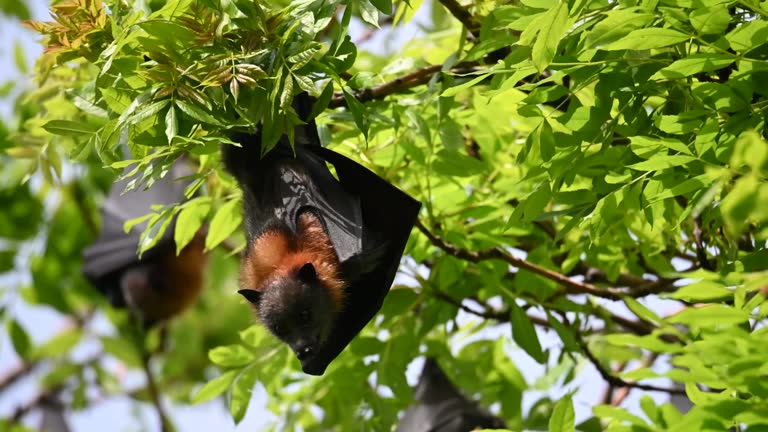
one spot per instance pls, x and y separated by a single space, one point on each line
275 254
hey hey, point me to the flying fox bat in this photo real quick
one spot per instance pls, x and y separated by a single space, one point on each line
442 408
321 252
160 284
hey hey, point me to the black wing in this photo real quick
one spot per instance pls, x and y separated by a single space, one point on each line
114 250
442 408
388 215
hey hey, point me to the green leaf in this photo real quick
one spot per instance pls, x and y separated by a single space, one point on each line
196 112
661 162
254 336
5 88
368 12
148 111
231 356
611 412
301 59
693 64
544 139
751 150
689 185
566 334
641 310
69 128
19 9
214 387
22 344
224 223
738 206
122 349
524 333
450 135
19 57
171 124
384 6
453 91
241 393
711 19
306 84
59 345
456 164
617 24
506 367
286 96
708 316
748 36
702 291
358 112
648 38
552 25
189 221
649 407
563 416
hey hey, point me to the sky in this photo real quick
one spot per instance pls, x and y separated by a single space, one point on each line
119 413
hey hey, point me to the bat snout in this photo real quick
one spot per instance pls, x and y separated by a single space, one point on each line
304 349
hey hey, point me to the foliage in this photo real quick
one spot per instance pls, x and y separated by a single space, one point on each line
575 159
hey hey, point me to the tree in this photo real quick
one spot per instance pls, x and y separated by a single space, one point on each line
575 159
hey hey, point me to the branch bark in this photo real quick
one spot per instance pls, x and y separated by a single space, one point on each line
618 382
462 14
154 392
571 286
409 80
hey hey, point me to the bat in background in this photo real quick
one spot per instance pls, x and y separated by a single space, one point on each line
442 408
321 251
160 284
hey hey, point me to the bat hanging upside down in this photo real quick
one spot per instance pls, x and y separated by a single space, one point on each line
160 284
321 253
440 407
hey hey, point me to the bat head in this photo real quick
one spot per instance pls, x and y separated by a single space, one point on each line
297 308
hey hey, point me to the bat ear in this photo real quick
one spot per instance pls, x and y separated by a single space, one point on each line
252 296
307 273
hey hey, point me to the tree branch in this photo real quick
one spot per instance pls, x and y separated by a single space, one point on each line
618 382
501 315
571 286
10 377
409 80
25 408
154 392
462 14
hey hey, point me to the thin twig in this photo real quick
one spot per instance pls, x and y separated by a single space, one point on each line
610 389
618 382
39 399
79 197
501 315
571 286
154 393
20 371
10 377
462 14
47 394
